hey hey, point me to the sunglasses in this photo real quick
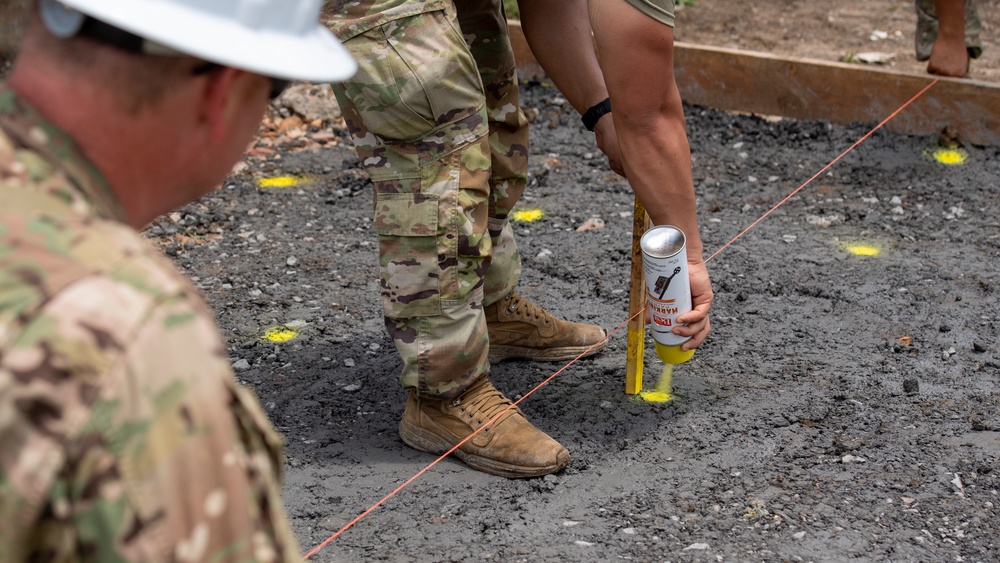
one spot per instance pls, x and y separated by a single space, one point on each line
278 85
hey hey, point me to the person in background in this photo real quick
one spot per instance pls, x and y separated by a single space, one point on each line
628 97
123 434
435 116
948 35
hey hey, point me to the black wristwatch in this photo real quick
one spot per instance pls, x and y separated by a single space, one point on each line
591 116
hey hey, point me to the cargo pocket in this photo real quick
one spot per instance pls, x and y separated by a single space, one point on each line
410 260
385 91
413 73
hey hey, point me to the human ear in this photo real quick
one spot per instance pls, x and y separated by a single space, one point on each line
222 100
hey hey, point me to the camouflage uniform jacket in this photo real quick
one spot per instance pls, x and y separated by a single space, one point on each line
123 435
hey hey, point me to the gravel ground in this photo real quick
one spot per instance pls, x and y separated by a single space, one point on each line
845 407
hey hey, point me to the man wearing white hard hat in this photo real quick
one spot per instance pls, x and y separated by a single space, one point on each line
123 434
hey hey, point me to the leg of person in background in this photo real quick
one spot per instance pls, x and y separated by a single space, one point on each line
448 158
518 328
947 35
949 56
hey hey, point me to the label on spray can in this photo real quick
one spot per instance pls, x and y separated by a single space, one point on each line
668 289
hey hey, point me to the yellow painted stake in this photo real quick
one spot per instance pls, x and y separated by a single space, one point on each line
636 303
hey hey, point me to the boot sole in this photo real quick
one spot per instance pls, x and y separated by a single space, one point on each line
429 442
500 353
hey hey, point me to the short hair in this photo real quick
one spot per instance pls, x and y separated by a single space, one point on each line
138 80
11 13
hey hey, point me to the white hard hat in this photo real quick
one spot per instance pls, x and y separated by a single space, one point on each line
277 38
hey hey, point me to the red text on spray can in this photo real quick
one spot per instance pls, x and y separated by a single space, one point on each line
668 288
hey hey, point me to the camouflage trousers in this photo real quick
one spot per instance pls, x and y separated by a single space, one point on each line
435 115
927 29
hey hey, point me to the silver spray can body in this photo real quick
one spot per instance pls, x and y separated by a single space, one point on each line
668 288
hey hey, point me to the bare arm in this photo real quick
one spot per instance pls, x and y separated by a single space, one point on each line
636 57
559 34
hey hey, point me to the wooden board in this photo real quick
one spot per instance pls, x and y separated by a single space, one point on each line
809 89
836 92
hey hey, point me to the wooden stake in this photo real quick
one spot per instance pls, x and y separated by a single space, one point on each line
636 302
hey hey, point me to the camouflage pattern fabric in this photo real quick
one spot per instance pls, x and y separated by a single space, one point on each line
123 435
927 29
435 115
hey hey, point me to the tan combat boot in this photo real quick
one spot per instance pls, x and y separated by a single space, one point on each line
520 329
510 447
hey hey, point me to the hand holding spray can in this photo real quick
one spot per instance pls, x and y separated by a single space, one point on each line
668 289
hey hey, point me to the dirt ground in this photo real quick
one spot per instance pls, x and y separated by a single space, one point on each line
828 30
845 407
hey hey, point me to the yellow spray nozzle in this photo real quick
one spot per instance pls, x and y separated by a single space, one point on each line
673 354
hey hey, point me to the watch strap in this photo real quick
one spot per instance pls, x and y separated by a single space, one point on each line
593 114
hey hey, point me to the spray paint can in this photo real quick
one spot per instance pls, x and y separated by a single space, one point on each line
668 289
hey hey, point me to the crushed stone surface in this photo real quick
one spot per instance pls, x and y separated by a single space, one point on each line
844 407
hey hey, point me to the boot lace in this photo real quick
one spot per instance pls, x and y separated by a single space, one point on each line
522 307
483 404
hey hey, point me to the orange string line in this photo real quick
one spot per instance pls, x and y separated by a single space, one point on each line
545 382
825 168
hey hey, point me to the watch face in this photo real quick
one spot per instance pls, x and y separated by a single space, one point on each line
60 19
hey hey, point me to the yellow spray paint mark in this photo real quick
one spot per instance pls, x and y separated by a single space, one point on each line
279 182
950 157
528 215
279 334
662 393
862 249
